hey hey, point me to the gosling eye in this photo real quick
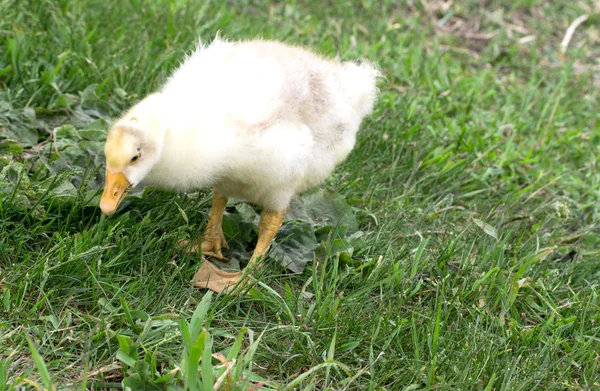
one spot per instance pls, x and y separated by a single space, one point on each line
135 158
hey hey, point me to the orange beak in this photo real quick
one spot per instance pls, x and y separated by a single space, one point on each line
115 188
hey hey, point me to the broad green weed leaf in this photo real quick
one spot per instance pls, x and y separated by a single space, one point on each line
322 208
10 147
295 246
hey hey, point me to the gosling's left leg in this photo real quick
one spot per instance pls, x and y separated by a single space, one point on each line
267 230
211 277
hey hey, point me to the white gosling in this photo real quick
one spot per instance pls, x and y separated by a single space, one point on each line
258 121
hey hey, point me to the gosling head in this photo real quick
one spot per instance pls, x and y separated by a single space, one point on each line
131 151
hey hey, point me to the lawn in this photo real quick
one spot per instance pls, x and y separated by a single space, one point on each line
469 258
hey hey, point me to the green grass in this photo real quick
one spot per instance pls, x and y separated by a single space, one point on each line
476 183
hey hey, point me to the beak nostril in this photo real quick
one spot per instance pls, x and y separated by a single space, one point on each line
115 188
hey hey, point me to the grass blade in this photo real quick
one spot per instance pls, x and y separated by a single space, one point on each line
312 370
39 363
4 366
207 369
199 315
417 258
330 355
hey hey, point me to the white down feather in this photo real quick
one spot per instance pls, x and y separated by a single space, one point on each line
258 120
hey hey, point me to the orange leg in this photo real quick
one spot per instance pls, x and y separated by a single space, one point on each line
211 277
267 230
213 239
